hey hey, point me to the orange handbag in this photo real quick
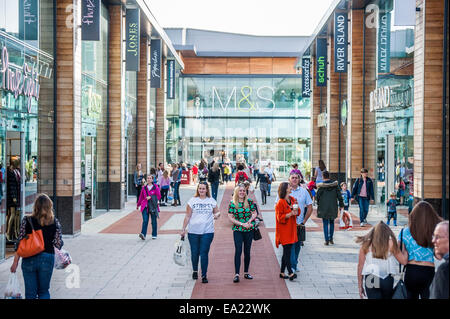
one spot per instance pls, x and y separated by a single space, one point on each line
32 244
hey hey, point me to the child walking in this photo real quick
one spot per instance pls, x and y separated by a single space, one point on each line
392 209
346 218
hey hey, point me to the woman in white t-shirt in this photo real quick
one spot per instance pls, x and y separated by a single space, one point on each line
201 210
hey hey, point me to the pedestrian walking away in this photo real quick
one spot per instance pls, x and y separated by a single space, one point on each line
148 205
286 211
263 180
363 193
256 169
138 176
202 172
304 201
439 287
201 211
329 201
242 213
269 170
241 176
37 270
379 256
318 174
417 239
177 182
214 180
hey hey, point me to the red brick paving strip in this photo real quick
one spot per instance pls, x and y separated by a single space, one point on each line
132 224
264 266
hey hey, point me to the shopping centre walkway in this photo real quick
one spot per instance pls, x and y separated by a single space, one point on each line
110 260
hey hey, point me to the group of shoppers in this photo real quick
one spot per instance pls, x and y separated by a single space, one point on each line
153 191
417 246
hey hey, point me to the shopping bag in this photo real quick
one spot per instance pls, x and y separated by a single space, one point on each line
179 255
12 290
62 259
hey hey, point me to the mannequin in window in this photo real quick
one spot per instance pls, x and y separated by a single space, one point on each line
13 201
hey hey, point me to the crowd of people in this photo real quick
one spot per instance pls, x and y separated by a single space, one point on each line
381 257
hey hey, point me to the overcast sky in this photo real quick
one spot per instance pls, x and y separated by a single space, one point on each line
256 17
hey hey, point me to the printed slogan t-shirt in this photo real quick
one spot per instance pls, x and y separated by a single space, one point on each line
202 218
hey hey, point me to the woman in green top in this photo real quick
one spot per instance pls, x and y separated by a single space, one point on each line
242 213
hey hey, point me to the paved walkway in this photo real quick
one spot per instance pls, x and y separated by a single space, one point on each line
110 261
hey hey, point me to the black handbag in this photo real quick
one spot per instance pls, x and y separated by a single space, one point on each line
301 233
400 288
257 234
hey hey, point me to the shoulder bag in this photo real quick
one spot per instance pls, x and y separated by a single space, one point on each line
400 288
32 244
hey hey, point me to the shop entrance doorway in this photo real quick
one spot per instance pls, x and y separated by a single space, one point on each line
13 188
88 176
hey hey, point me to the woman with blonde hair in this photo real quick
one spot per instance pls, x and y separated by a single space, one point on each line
379 256
242 213
37 270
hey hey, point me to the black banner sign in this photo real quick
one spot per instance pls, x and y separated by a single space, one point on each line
171 79
132 39
306 77
321 62
28 19
155 62
90 20
340 42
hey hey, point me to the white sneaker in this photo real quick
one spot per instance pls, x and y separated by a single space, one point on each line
153 237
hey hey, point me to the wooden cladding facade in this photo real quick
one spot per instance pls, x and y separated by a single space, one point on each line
245 65
428 92
335 137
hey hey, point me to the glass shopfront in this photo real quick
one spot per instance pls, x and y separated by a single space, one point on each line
259 117
26 112
94 90
392 102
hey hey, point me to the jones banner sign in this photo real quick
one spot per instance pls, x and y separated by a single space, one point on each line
132 39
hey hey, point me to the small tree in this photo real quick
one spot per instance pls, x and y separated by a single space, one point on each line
306 169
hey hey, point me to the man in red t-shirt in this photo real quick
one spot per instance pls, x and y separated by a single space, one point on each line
240 175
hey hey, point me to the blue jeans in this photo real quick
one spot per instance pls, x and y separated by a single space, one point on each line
200 249
214 189
145 218
269 187
328 228
37 273
176 191
295 252
363 208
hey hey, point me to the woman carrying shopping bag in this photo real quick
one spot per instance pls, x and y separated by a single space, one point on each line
201 210
38 269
